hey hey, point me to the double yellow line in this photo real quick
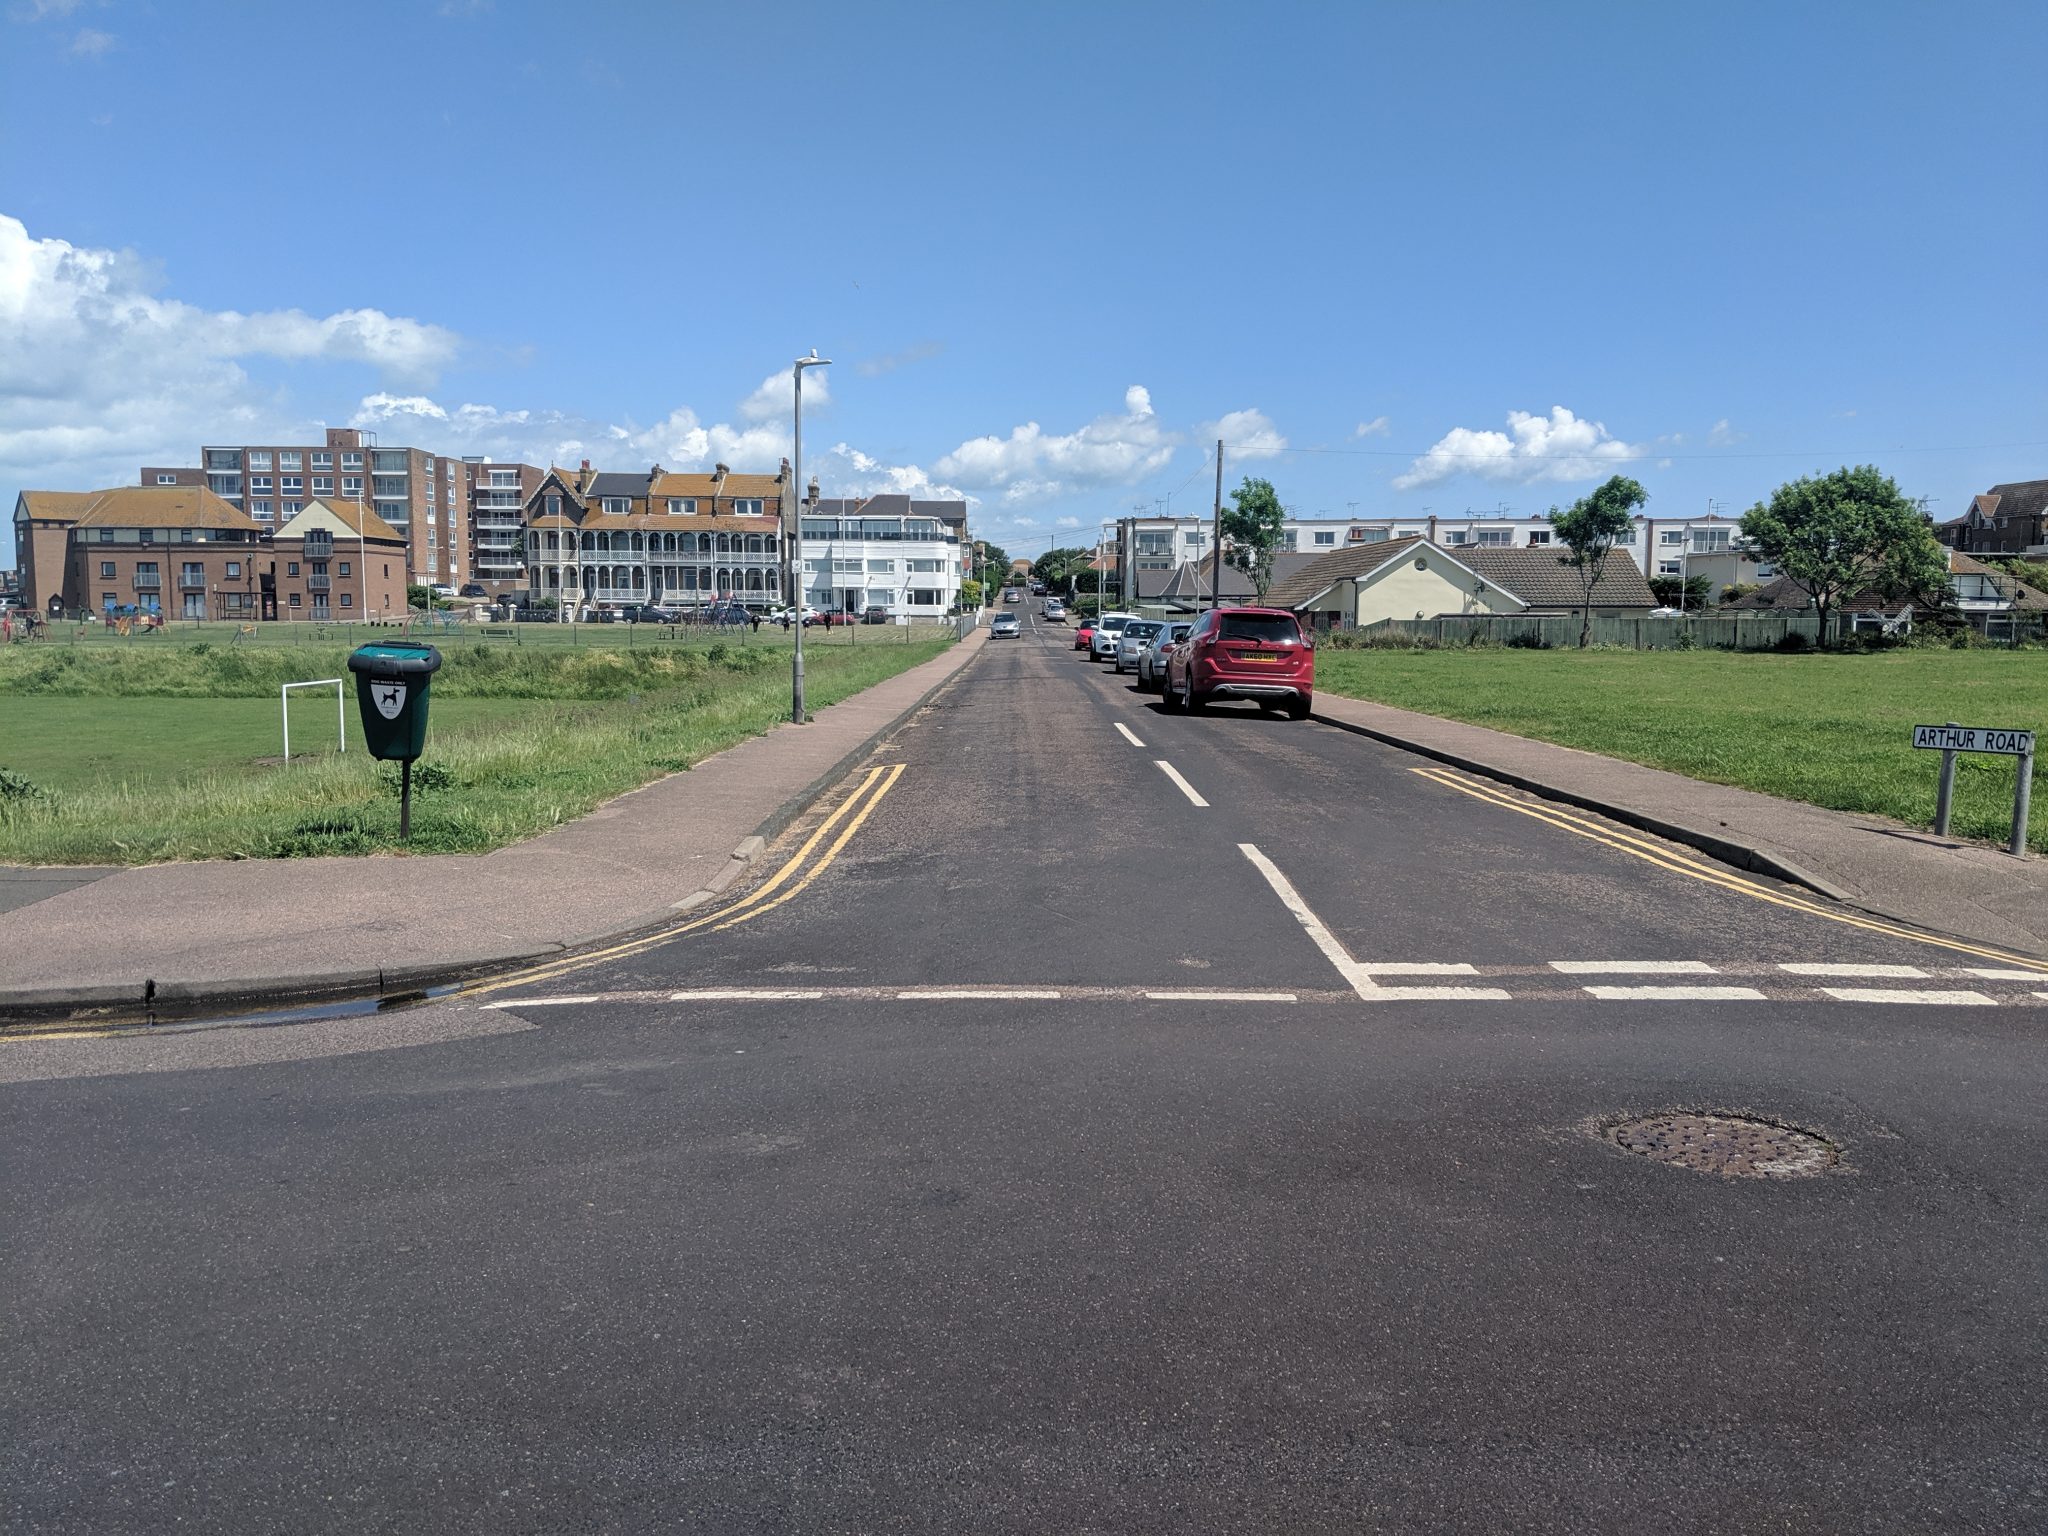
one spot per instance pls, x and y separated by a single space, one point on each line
789 881
1665 857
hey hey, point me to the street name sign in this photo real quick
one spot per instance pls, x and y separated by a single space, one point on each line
1973 738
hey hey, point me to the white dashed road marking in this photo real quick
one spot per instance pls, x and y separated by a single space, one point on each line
1129 735
963 994
1909 995
547 1002
1428 968
1221 997
1993 973
1677 994
1632 967
1873 972
1185 787
743 995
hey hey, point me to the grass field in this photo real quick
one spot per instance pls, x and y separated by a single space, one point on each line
140 754
1832 730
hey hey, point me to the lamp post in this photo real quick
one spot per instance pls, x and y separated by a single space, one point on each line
796 543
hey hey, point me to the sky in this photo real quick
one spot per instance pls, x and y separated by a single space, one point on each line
1398 257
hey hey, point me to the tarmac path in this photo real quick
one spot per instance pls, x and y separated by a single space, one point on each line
1092 1119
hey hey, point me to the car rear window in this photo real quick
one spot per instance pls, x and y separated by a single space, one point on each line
1142 629
1266 628
1111 623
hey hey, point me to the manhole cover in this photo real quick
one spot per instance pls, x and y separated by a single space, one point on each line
1739 1146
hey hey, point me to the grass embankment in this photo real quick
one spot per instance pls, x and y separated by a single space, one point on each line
1832 730
138 756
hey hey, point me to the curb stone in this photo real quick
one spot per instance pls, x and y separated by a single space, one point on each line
190 996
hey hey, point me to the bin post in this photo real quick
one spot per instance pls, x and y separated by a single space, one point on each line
2022 801
1944 793
405 801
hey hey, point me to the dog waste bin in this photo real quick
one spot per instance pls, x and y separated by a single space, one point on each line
392 681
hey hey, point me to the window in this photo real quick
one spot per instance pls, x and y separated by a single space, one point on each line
185 535
387 485
1192 540
323 485
235 568
1538 537
1325 536
147 535
616 504
348 599
192 574
924 597
344 567
1454 538
882 567
1766 570
1710 541
224 458
323 461
293 508
258 460
166 479
288 461
260 510
106 570
1667 567
430 490
1626 538
1497 538
352 487
922 567
747 506
682 506
291 568
387 570
295 599
1669 536
351 461
389 461
107 599
845 567
106 535
259 482
554 506
291 485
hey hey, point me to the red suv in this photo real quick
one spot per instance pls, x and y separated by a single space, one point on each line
1244 653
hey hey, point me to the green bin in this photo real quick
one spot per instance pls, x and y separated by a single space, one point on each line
392 679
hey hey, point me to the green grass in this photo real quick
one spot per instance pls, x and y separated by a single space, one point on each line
1832 730
146 755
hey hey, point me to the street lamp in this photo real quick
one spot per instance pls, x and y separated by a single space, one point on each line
796 541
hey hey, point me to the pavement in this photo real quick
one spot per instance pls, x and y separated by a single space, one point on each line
1085 1118
224 934
1906 873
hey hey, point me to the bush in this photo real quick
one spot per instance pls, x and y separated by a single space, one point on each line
1791 640
15 789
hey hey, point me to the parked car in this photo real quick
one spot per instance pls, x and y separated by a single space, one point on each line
1152 660
1132 642
1084 634
1244 653
1055 610
1102 644
1012 595
647 613
1005 627
473 589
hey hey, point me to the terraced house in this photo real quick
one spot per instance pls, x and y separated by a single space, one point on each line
613 539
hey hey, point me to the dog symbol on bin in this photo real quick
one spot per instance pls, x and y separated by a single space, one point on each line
389 698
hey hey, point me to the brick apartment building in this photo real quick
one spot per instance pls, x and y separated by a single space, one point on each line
424 496
498 494
176 550
2009 519
334 560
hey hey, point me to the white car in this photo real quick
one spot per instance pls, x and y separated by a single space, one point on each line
1108 632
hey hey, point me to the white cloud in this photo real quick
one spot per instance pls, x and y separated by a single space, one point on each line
775 400
1379 426
37 10
1721 435
99 373
1066 522
1560 447
1032 463
91 43
1246 434
866 476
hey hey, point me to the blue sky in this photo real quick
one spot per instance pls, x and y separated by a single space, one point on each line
1053 249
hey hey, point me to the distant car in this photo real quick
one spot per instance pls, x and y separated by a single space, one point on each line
1038 589
1244 653
1133 641
1108 629
1084 634
874 614
442 589
1152 660
1005 627
647 613
1667 613
1012 595
1056 610
472 589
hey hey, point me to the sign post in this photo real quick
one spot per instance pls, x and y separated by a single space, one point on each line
1950 739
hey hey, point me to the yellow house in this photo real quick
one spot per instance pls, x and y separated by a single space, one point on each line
1391 579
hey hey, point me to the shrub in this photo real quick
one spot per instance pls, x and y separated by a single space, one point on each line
14 788
1791 640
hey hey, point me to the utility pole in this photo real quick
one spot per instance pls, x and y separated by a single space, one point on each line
796 545
1216 535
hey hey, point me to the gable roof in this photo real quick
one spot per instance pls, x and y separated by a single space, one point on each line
352 515
161 506
1323 572
53 506
1541 578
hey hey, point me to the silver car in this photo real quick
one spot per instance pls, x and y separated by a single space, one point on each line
1108 629
1152 660
1132 642
1005 627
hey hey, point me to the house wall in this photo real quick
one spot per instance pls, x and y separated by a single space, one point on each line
1403 592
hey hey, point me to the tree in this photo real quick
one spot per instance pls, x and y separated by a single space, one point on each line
1252 528
1055 566
1838 534
1590 530
1672 592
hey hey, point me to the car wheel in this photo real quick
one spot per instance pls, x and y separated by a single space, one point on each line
1298 708
1168 699
1190 700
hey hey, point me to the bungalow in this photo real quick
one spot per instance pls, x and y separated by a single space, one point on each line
1413 578
1988 599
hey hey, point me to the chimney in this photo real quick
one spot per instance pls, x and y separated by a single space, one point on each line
586 466
653 475
1432 527
719 472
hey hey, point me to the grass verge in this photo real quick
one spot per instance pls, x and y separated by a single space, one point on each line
138 757
1831 730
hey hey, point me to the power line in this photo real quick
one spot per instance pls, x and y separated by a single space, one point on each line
1631 457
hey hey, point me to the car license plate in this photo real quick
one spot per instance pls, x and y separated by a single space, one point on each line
1260 656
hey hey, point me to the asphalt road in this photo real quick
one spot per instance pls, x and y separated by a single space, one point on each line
1229 1166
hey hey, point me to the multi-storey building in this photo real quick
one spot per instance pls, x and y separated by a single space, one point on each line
176 550
498 494
420 494
334 560
891 551
617 539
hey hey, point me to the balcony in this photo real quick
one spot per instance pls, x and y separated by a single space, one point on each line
146 581
319 544
318 583
192 581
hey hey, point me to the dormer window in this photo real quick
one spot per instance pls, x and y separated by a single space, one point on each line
618 504
682 506
747 506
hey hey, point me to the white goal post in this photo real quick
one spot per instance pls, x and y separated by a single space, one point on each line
284 703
